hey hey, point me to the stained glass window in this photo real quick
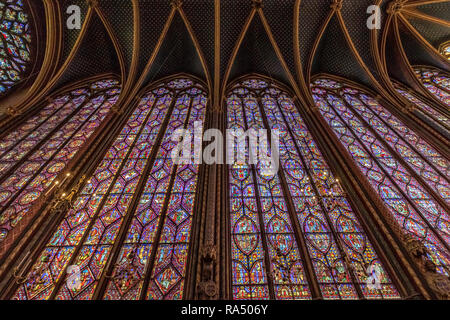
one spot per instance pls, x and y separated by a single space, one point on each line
129 230
434 114
303 205
33 155
15 41
409 175
444 49
436 81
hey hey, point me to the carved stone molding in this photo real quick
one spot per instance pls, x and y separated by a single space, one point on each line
117 109
410 107
11 111
207 288
439 283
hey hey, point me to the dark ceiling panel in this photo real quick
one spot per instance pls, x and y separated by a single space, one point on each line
256 55
200 14
153 17
120 16
280 16
334 56
233 14
417 54
177 54
71 35
439 10
355 16
434 33
96 55
393 57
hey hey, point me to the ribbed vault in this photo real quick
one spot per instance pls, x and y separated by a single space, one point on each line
289 43
218 41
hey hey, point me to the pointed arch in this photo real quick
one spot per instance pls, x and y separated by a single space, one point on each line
46 85
424 42
399 31
408 100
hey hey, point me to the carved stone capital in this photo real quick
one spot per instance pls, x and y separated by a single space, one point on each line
208 253
207 289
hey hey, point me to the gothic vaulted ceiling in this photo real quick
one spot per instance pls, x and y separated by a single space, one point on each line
218 40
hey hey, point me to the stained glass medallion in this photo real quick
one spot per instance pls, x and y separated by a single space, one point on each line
15 42
265 212
33 155
409 175
431 112
129 232
444 49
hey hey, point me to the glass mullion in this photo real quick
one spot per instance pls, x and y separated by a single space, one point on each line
26 185
438 117
342 219
286 263
331 271
97 247
35 162
402 210
249 270
427 76
14 45
169 271
393 133
33 129
132 263
400 175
